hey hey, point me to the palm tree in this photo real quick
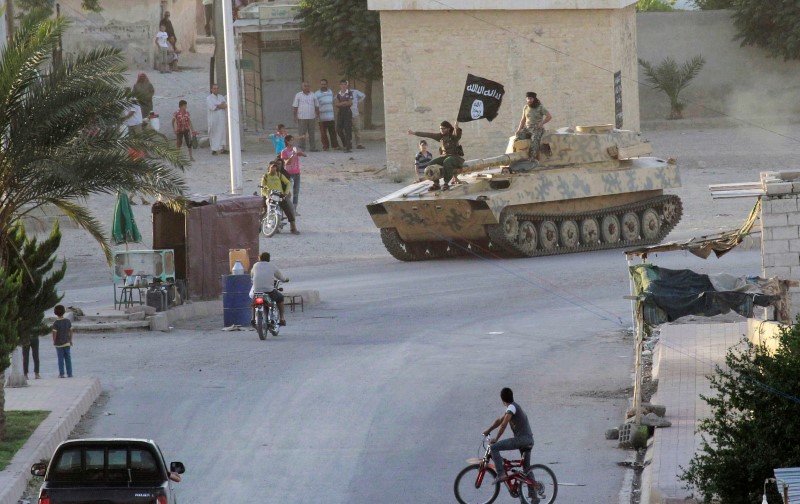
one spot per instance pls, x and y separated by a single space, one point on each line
671 79
60 140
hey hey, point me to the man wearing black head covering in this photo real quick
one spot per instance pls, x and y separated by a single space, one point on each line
534 117
451 153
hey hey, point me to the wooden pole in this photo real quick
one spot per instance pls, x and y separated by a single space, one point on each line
637 385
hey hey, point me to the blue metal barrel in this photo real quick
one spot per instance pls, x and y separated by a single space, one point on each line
236 300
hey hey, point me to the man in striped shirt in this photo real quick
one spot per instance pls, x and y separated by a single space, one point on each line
306 111
327 125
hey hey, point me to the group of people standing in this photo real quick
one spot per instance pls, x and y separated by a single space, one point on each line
451 158
336 114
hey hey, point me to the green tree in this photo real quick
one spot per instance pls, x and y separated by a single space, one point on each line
755 410
655 5
60 140
714 4
9 288
771 25
34 260
348 32
672 79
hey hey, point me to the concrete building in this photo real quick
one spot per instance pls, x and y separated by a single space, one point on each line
129 26
566 51
276 57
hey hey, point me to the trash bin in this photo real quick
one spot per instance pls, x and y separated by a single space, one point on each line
236 301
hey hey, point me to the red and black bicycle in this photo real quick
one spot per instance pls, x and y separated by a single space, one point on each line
475 483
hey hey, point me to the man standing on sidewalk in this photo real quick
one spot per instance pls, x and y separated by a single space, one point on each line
306 111
358 119
327 124
217 108
344 119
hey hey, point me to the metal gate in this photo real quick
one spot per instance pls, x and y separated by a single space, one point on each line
281 76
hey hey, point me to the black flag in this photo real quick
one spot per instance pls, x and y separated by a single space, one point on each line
482 99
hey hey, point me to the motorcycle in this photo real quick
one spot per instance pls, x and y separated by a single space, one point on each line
267 315
273 219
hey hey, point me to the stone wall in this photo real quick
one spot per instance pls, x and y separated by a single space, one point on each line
780 230
563 55
129 26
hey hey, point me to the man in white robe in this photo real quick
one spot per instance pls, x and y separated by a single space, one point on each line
217 121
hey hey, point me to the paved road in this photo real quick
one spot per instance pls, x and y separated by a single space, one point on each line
380 393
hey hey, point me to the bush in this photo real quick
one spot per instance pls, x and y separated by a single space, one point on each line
751 430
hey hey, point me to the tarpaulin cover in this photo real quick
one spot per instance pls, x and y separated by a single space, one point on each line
667 295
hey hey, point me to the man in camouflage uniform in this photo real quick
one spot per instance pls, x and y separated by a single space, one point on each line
451 153
534 117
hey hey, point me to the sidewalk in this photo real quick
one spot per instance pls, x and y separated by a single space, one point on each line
68 400
685 355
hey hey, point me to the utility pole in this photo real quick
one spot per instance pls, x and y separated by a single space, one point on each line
232 85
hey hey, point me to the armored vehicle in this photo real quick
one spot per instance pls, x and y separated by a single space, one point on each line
592 188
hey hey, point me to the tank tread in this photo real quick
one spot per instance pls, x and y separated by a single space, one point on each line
419 251
505 234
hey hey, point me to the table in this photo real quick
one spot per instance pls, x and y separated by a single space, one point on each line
126 295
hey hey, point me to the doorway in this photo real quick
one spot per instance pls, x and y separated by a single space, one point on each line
281 75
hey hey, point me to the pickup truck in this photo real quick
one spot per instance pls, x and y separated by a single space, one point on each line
111 471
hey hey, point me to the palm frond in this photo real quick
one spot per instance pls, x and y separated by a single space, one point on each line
81 216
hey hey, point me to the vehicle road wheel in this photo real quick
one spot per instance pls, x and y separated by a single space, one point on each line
262 334
545 489
590 232
569 234
528 238
609 229
548 235
270 224
671 212
630 227
651 224
474 487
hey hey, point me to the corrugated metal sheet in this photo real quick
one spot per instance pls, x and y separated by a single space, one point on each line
791 476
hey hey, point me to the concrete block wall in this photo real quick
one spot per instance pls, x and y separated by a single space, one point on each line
567 56
780 230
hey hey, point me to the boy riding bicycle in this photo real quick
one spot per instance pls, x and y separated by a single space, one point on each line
523 436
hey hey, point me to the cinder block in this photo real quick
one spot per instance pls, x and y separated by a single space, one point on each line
785 259
784 205
794 246
783 272
779 188
777 246
159 322
793 218
775 219
785 233
789 175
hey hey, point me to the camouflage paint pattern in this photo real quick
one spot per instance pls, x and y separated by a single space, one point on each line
581 173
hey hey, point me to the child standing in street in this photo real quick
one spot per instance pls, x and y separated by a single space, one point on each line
62 340
182 126
291 156
163 49
278 139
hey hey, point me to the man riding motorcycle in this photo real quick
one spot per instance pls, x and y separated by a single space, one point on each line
264 274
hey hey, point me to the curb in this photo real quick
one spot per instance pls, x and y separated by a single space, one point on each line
43 442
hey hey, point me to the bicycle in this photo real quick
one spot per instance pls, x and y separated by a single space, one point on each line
273 218
471 486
